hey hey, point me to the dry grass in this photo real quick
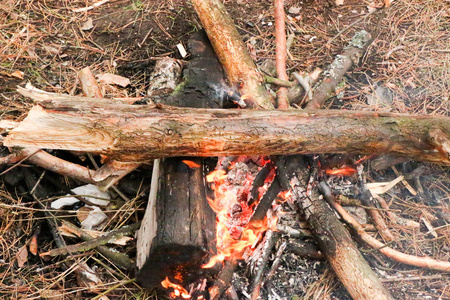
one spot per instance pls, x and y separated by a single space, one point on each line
410 55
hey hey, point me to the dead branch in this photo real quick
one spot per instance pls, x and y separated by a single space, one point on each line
232 52
280 50
93 243
331 236
368 201
118 258
85 275
422 262
138 133
258 279
340 66
57 165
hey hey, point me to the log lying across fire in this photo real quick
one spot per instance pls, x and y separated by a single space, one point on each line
139 133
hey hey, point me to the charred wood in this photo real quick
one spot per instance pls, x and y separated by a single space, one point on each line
182 236
332 238
232 53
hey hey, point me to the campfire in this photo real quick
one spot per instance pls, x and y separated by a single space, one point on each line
252 195
246 208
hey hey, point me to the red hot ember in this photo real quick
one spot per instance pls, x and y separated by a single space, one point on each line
232 192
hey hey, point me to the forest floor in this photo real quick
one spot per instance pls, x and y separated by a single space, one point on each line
406 69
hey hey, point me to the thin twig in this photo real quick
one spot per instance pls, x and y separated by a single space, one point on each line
95 242
280 56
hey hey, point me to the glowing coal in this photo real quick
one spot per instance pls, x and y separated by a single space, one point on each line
232 191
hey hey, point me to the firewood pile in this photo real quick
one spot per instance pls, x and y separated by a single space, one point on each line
226 181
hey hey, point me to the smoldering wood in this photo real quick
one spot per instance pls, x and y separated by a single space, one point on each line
304 249
332 238
185 230
142 132
224 278
260 265
232 53
183 236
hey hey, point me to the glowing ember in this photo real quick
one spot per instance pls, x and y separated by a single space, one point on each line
178 290
345 171
284 196
191 164
234 234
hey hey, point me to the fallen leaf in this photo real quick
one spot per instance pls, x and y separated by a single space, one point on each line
52 294
31 51
17 74
94 217
113 79
294 10
33 245
51 49
22 256
83 213
339 2
88 25
88 278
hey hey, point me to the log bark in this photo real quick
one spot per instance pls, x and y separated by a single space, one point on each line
138 133
232 52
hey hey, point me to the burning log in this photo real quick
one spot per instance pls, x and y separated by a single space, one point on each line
179 222
239 224
185 232
138 133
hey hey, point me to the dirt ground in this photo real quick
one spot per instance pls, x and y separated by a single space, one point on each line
406 69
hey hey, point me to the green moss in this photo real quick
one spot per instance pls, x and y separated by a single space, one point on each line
179 88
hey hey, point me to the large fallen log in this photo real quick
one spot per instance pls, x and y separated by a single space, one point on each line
138 133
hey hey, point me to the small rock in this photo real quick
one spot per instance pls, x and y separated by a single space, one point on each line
294 10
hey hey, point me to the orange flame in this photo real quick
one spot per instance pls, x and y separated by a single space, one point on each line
284 196
233 234
217 175
178 290
345 171
191 164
